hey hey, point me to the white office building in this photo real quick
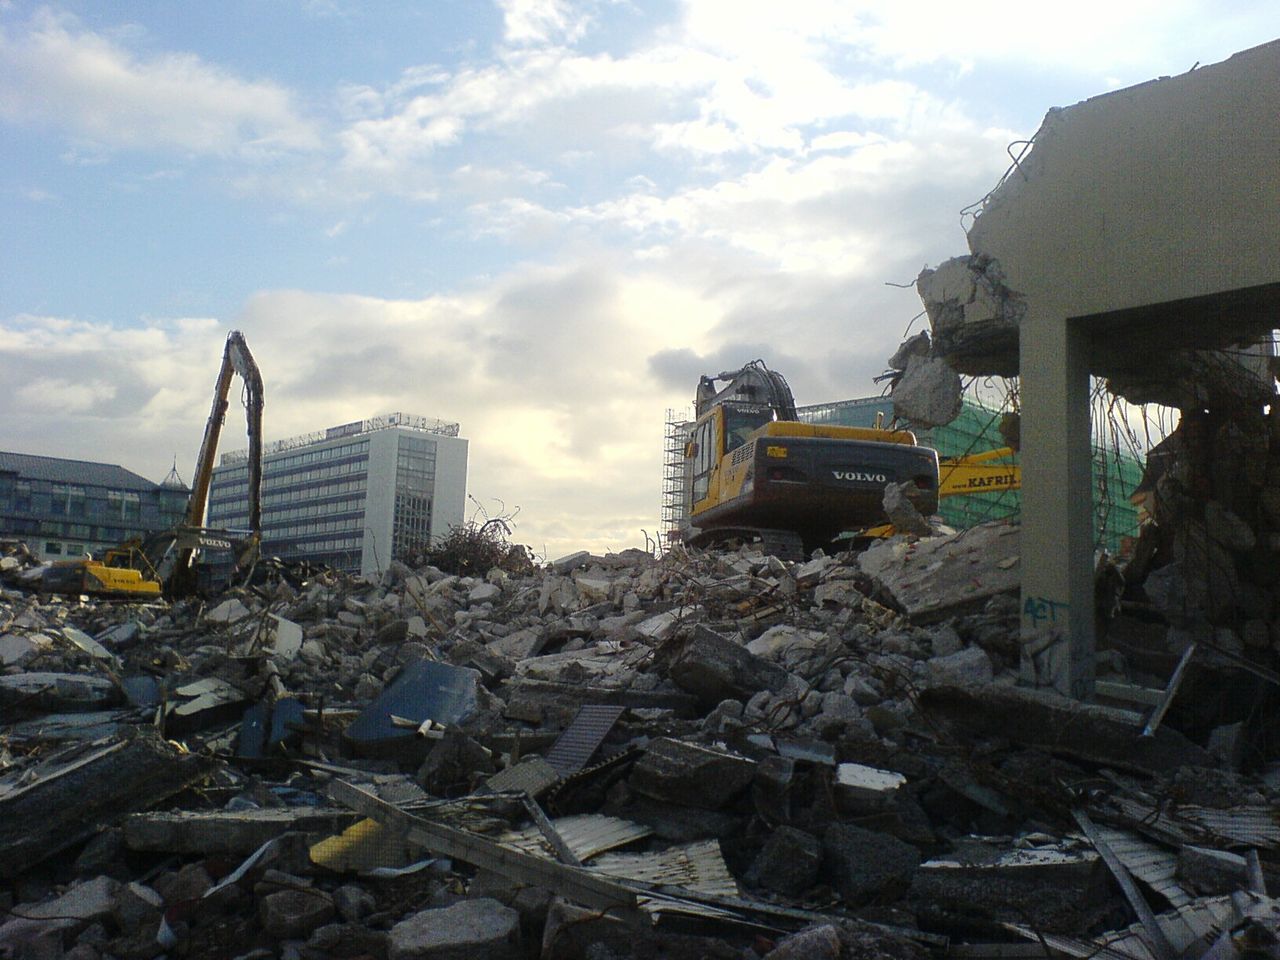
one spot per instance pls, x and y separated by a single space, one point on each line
353 496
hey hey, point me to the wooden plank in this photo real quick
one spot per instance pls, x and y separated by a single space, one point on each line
549 832
1170 691
1157 942
571 882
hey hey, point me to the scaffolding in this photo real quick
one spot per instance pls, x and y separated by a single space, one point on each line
674 509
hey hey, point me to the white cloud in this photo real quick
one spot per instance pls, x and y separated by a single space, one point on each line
56 73
70 397
540 21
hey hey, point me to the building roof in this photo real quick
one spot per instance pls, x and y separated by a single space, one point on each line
82 472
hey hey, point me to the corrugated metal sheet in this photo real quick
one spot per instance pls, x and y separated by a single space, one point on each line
1196 923
1153 865
1253 825
1256 826
575 747
533 775
698 867
587 835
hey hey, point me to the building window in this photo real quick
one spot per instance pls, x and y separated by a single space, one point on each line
53 549
126 506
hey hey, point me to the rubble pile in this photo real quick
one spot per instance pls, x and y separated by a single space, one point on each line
716 754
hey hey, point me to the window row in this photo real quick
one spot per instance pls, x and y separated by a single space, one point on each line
306 474
317 455
280 513
291 530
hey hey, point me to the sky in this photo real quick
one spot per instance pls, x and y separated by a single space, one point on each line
540 219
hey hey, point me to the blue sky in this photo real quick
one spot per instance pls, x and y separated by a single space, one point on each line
541 219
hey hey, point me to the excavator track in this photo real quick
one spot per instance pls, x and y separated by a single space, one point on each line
783 544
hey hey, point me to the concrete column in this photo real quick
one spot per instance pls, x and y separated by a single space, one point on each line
1057 507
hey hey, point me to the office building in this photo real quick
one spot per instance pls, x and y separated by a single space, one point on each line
69 508
353 496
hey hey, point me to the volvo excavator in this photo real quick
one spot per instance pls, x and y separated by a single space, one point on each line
754 472
165 563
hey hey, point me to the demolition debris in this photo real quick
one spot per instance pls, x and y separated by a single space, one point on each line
706 754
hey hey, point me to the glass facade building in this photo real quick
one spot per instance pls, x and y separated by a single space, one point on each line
353 496
69 508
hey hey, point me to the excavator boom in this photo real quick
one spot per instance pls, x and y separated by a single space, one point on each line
236 358
165 561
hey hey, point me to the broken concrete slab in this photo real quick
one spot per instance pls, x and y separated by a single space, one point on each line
68 796
716 668
1065 727
866 788
211 832
969 667
928 392
676 771
1054 887
36 692
481 929
939 577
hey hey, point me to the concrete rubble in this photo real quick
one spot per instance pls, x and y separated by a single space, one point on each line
707 754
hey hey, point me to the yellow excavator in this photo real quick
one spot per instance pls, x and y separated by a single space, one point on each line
754 472
166 562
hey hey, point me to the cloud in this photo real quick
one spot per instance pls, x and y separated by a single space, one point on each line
54 72
539 21
70 397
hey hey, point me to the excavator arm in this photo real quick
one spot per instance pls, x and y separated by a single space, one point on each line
236 359
753 383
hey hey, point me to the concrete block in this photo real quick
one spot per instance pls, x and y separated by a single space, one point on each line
902 512
291 914
814 943
1212 872
928 393
483 593
678 772
788 863
867 787
969 667
864 865
480 929
715 668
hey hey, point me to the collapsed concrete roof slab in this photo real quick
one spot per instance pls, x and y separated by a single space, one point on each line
1150 211
1148 196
